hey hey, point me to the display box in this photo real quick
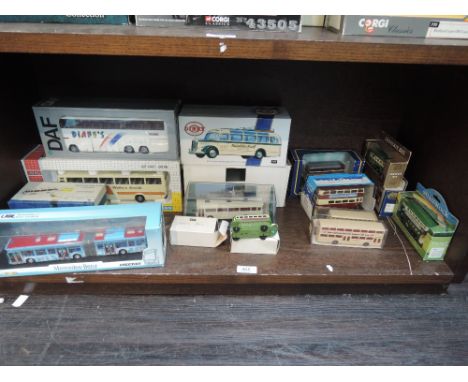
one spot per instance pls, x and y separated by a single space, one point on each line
385 198
308 162
386 161
198 231
354 191
106 129
226 200
81 239
234 135
163 21
50 194
269 246
347 228
277 176
424 218
264 23
127 181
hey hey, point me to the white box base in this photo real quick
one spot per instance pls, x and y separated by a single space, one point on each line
269 246
197 231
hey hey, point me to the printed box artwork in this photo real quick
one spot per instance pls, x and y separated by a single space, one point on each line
163 21
385 198
277 176
66 19
425 220
81 239
386 161
234 135
308 162
49 194
108 129
126 181
271 23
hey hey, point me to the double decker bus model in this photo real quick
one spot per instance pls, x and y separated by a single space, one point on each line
126 135
253 226
138 186
376 159
32 249
228 208
343 197
245 142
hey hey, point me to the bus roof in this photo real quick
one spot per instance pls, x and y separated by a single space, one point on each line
252 217
115 234
342 213
118 174
17 242
351 224
242 130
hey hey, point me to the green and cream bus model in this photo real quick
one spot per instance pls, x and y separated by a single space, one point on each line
253 226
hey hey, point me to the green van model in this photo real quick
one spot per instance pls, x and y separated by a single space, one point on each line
252 226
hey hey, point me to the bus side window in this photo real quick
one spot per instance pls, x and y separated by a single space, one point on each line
90 180
140 242
106 180
75 180
153 180
250 138
121 244
273 140
131 243
27 253
100 246
236 137
51 251
224 137
137 180
121 181
40 252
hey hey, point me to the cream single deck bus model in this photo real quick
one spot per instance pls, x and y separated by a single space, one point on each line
244 142
349 229
136 186
227 209
126 135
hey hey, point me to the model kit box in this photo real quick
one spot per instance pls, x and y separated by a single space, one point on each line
198 231
116 129
277 176
308 162
385 198
425 220
49 194
443 26
269 23
126 181
81 239
234 135
227 200
354 191
386 161
347 228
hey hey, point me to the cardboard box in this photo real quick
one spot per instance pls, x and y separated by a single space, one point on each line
81 239
269 246
234 135
50 194
162 180
386 161
198 231
162 21
426 222
108 129
265 23
308 162
385 198
277 176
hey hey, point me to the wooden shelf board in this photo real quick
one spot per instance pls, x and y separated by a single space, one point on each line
297 263
313 44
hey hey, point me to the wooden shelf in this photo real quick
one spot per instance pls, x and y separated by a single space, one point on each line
297 263
313 44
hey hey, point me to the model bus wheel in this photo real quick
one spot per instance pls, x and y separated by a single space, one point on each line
212 152
143 150
263 237
200 155
140 198
30 261
235 238
259 154
366 244
335 242
129 149
236 229
74 148
264 228
122 252
76 256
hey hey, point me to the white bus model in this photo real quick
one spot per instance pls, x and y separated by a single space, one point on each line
349 229
128 135
136 186
227 208
244 142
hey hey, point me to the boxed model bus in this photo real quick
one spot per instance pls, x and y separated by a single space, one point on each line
106 129
81 239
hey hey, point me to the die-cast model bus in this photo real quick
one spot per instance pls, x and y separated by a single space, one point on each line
136 186
128 135
252 226
74 245
344 197
376 159
227 209
324 167
350 229
244 142
415 218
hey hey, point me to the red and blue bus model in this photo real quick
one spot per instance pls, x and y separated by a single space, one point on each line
65 246
39 248
120 241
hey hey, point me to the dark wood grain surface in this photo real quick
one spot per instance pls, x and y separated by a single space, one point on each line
228 330
313 44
